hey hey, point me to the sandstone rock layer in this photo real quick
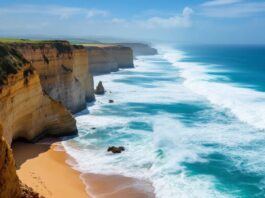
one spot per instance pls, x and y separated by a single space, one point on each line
26 110
9 183
63 71
104 59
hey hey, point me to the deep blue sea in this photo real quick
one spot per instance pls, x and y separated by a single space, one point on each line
192 120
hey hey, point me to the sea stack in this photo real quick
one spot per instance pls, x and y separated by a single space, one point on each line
100 90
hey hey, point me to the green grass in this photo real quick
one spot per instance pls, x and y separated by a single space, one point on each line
16 40
10 62
62 46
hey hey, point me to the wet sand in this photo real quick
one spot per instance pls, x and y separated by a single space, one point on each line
44 168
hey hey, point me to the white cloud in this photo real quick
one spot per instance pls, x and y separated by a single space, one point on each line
94 12
157 22
180 20
61 11
235 10
118 21
220 2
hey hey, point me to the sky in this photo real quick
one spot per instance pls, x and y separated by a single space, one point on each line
183 21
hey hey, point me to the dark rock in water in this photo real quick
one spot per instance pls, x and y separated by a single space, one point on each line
111 101
93 128
100 90
115 149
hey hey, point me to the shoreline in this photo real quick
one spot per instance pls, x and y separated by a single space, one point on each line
43 166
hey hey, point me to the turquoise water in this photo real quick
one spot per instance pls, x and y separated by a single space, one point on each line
192 120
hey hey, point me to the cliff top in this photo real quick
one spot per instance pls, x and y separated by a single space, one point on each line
97 45
92 46
28 41
62 46
10 61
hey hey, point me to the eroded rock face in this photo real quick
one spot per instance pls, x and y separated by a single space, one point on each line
104 59
10 186
140 49
28 192
26 110
63 71
9 182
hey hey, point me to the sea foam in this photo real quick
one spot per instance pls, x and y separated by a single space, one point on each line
158 154
247 104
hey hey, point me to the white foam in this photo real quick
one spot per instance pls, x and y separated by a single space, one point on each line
247 104
180 143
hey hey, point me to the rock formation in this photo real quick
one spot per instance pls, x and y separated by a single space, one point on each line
115 149
39 83
100 90
140 49
104 59
10 186
9 182
63 70
26 110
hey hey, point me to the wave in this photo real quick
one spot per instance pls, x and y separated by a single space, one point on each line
162 142
248 105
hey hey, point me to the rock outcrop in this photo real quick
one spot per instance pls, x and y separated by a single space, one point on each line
10 186
26 110
140 49
103 59
115 149
9 182
63 71
100 90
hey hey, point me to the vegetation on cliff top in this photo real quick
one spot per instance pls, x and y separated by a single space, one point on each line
62 46
10 61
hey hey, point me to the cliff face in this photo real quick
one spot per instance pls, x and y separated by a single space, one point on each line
9 183
63 71
26 111
108 58
140 49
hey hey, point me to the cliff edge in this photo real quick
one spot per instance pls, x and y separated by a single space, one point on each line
63 69
9 182
104 59
140 49
26 110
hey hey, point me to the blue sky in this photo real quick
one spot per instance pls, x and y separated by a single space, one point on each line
188 21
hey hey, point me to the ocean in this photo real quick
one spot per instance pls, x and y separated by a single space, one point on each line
192 120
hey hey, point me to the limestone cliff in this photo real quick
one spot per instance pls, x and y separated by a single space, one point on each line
10 186
9 183
26 110
63 71
108 58
140 49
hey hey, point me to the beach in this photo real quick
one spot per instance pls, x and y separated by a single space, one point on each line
45 170
43 167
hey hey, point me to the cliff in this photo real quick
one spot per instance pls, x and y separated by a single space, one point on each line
140 49
63 71
108 58
26 110
37 81
9 183
10 186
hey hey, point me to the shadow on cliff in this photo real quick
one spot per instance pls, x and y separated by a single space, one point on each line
24 151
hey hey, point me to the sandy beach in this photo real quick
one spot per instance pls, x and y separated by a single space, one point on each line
43 167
